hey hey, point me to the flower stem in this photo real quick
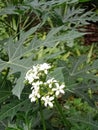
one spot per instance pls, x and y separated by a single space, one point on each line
67 124
42 116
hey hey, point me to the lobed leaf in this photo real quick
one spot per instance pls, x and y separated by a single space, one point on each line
15 52
10 109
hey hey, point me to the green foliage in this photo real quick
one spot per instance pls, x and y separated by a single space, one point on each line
84 0
81 114
41 31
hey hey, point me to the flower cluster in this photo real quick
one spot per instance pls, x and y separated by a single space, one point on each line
42 88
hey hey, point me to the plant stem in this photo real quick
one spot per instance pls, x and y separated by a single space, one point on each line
90 54
64 120
42 116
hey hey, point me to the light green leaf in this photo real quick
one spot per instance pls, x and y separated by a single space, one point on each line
8 10
16 63
66 37
57 74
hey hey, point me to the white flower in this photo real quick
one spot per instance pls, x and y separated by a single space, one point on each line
37 84
51 81
59 89
30 76
35 94
47 90
44 67
35 69
32 97
48 101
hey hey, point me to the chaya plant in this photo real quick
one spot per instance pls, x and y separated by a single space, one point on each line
45 91
20 55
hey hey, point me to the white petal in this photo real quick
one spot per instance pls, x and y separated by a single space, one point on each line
33 99
51 98
54 89
38 95
45 71
57 93
43 98
30 96
62 86
46 104
57 85
50 104
50 85
62 91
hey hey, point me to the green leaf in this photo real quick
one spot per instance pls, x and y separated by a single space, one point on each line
4 95
84 1
78 16
10 109
87 121
57 74
79 77
16 63
8 10
53 37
